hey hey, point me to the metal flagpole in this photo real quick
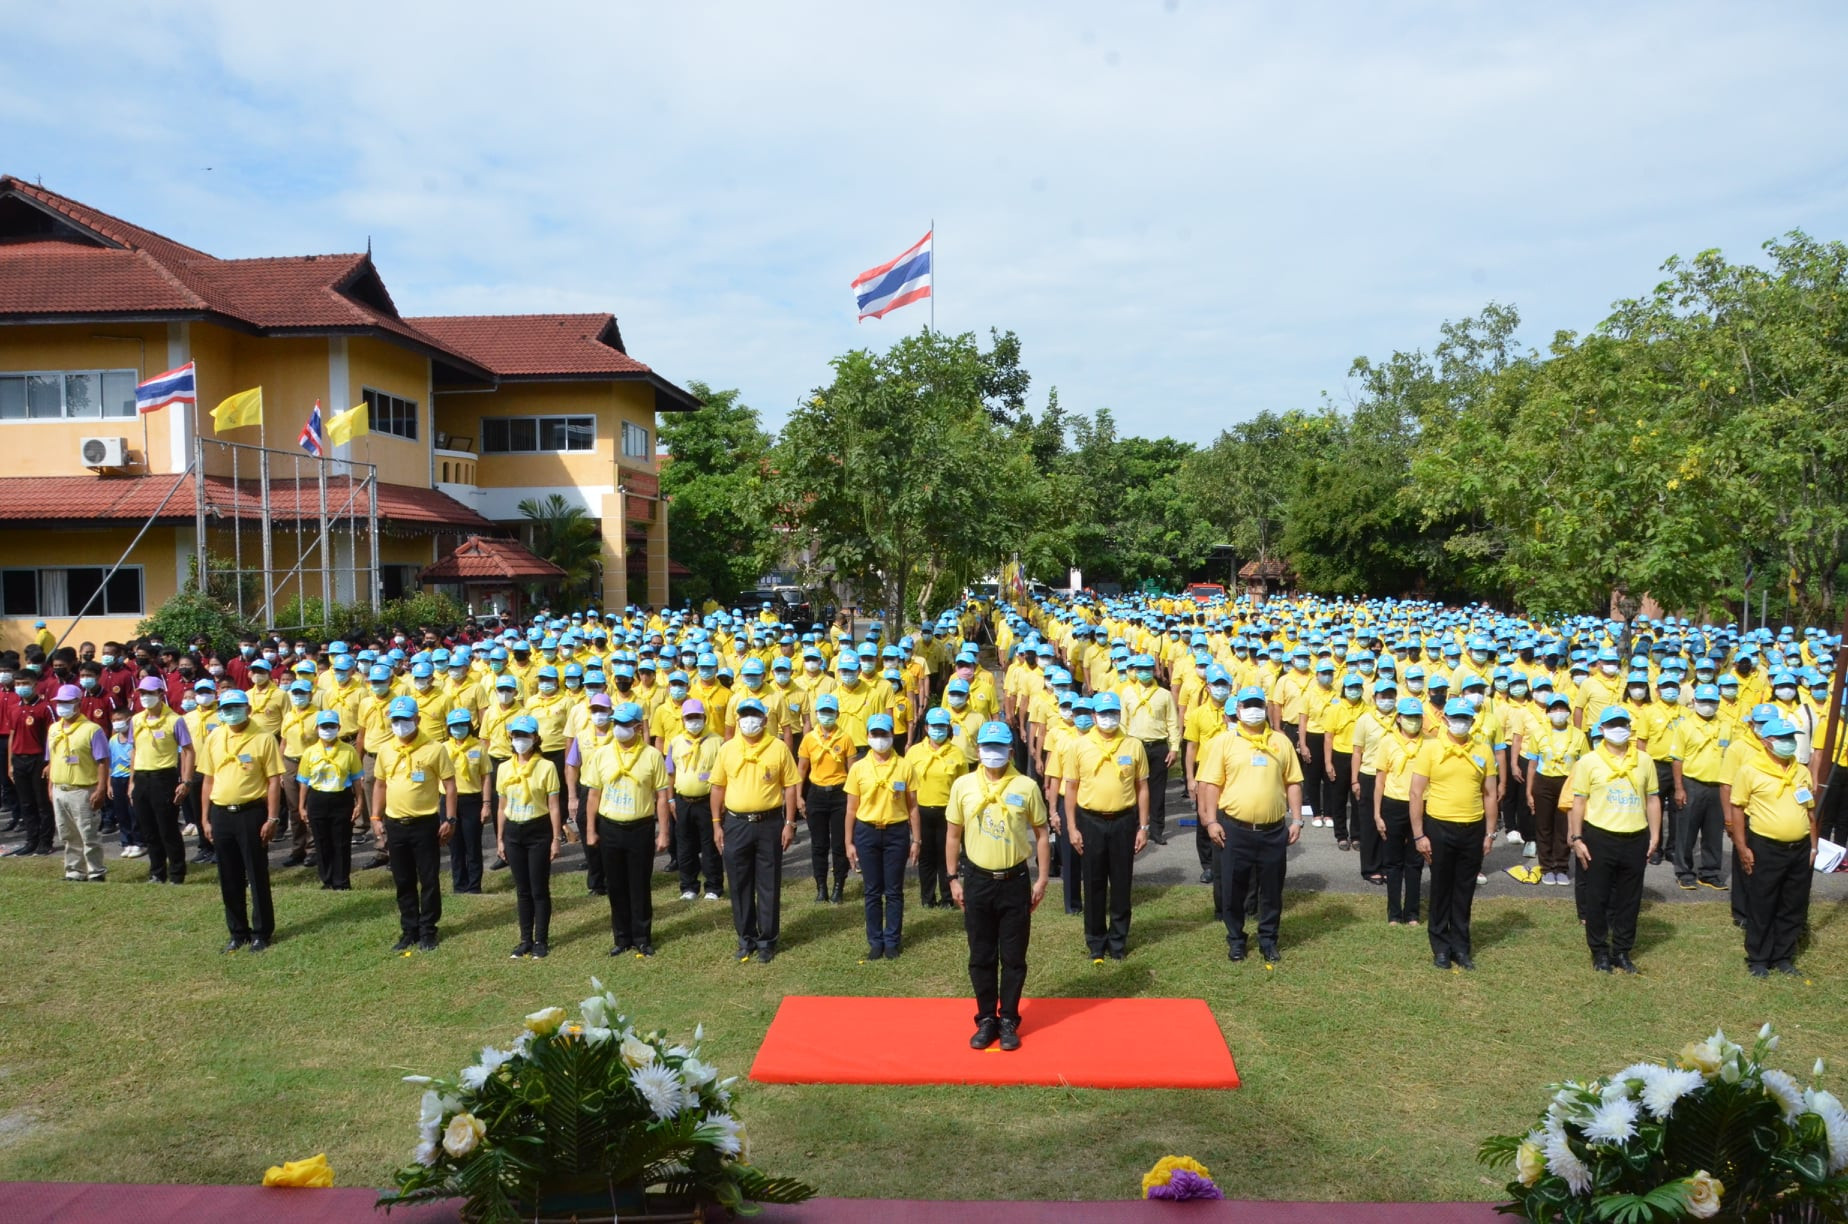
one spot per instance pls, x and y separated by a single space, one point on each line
327 599
933 276
263 488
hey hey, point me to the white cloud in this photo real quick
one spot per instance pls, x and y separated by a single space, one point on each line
1188 211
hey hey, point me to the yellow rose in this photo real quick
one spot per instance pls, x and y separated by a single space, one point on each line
464 1132
1704 1191
1702 1056
1529 1163
545 1023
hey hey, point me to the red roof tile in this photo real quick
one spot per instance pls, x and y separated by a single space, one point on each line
484 560
94 499
536 345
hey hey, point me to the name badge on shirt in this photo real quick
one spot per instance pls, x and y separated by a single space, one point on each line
1259 760
1015 801
244 757
898 786
474 754
1803 794
160 735
71 759
1126 759
705 775
417 775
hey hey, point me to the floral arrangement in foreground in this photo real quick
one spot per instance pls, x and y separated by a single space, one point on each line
591 1112
1714 1134
1177 1179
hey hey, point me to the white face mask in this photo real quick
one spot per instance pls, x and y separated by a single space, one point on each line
66 708
626 731
1385 705
879 743
1609 669
1474 699
750 725
696 726
993 756
1706 709
548 686
601 718
1251 715
328 734
149 701
1616 735
1559 718
404 728
522 744
1108 722
1414 687
1219 691
1459 727
939 733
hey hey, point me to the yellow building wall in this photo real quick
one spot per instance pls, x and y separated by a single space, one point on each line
612 403
291 370
395 371
157 555
50 448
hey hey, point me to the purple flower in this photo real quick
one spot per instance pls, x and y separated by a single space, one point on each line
1186 1184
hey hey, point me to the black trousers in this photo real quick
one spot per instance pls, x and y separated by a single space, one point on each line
1456 857
1403 864
1340 799
933 889
627 849
1613 888
1665 784
1109 864
754 869
1699 822
1777 894
243 863
330 822
1834 819
160 823
1514 811
414 851
1071 873
465 846
827 826
697 851
529 860
1364 831
1550 823
34 801
1157 753
998 918
1255 859
1315 778
593 863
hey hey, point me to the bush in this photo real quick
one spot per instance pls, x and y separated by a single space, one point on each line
192 614
341 620
430 608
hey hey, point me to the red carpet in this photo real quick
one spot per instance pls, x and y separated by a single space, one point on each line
72 1203
1084 1043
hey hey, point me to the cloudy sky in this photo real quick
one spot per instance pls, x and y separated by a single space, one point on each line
1189 211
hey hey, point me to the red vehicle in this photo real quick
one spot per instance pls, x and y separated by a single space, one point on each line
1205 592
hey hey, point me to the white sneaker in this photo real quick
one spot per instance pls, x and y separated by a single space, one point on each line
1531 850
1514 837
686 896
710 896
135 852
1481 879
190 829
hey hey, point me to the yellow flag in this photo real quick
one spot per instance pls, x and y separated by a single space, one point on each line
343 427
244 408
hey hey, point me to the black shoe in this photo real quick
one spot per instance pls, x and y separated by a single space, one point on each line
986 1033
744 951
1789 968
1118 953
821 894
232 945
295 860
203 858
1160 839
377 862
1206 877
539 949
766 954
107 829
1623 962
1739 922
644 949
1010 1035
840 891
259 945
620 947
1758 971
892 953
499 864
1462 961
427 944
1685 885
524 948
1236 952
405 944
1269 953
600 890
1441 959
1655 860
875 952
1600 962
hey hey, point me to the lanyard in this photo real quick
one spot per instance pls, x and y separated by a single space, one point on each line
624 768
520 776
402 760
834 742
990 794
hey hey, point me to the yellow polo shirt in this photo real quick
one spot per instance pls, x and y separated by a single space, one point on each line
494 720
1775 796
858 704
373 720
1615 788
880 786
1338 719
754 775
329 768
1699 744
414 774
156 745
240 764
997 819
828 753
70 752
1455 773
1107 770
935 767
297 731
550 713
693 760
524 787
468 760
267 706
1252 772
1369 729
1555 750
1393 759
629 779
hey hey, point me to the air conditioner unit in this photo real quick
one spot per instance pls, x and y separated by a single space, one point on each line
105 452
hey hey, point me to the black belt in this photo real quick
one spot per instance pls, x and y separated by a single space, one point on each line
1613 833
1012 873
1248 824
827 786
238 809
1095 814
755 817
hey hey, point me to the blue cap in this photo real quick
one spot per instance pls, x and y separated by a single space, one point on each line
995 732
780 663
1140 660
752 667
507 682
706 659
1470 679
327 718
548 672
1777 728
626 712
828 701
1385 685
1706 692
1353 680
205 686
574 669
459 718
937 716
1251 692
233 697
1613 713
301 686
879 722
849 661
750 705
379 673
1107 702
420 671
1411 707
1456 707
1215 674
523 723
1763 712
402 707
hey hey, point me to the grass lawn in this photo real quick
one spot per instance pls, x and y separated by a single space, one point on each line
131 1051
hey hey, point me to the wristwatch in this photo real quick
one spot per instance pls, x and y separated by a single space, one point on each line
952 879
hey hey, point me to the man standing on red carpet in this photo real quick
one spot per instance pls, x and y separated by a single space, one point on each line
994 816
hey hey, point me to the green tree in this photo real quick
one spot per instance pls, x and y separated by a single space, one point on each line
1240 486
569 538
717 459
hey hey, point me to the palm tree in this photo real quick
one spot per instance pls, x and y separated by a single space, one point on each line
570 539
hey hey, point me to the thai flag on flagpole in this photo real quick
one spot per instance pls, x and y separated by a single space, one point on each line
895 283
313 439
174 387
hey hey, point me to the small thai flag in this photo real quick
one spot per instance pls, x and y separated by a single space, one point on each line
313 438
173 387
899 282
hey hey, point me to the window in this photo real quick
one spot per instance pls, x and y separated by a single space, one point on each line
68 395
635 442
534 435
65 592
391 414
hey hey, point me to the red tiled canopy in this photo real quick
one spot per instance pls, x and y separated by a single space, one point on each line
479 560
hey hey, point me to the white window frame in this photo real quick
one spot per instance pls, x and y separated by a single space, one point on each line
538 420
371 395
73 607
64 413
647 451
